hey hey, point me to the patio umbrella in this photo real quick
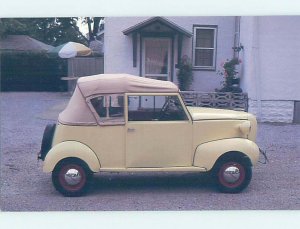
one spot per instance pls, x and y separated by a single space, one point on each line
70 50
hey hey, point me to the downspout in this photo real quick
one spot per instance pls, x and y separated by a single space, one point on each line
237 20
256 65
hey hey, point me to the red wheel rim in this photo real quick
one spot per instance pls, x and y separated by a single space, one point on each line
224 174
65 184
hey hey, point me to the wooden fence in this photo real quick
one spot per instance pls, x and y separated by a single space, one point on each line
225 100
83 66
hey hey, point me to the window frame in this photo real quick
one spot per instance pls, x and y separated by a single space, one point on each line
156 94
210 27
97 116
167 76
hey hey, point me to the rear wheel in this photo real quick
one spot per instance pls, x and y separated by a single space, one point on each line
232 175
71 177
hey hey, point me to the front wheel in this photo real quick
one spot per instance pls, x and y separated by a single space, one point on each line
71 177
232 176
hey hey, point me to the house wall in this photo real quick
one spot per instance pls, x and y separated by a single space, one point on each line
270 71
118 47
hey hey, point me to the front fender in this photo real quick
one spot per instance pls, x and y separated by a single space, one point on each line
71 149
208 153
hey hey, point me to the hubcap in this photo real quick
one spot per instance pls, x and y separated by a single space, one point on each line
231 174
73 177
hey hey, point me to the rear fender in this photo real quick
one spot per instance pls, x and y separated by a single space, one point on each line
208 153
71 149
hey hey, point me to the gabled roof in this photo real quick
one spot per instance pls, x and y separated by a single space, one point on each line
161 20
23 43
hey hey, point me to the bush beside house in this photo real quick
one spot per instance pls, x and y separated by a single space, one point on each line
26 71
25 65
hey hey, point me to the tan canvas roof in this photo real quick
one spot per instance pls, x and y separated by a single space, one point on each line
78 113
122 83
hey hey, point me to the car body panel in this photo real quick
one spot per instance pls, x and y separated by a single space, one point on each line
159 144
207 154
211 130
71 149
211 124
107 142
205 113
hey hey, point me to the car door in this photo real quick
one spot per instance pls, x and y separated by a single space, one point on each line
159 132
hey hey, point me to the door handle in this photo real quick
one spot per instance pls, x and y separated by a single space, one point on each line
130 130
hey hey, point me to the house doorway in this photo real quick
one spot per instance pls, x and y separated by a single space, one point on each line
156 58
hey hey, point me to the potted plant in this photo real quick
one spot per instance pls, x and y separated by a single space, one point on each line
231 80
184 74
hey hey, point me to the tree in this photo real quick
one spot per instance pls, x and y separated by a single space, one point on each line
11 26
53 31
96 26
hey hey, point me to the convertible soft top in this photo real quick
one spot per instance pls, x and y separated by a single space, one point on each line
122 83
78 113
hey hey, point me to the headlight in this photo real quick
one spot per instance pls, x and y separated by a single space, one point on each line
245 127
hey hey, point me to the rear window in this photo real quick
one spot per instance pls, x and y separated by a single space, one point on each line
109 108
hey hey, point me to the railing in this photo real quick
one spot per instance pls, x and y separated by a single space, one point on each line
225 100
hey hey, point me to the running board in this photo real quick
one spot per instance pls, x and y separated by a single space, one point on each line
169 169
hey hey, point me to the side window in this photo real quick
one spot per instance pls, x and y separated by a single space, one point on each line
155 108
110 108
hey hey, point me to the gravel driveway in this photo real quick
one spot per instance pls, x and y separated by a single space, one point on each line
24 187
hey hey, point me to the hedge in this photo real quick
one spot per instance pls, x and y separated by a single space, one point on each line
27 71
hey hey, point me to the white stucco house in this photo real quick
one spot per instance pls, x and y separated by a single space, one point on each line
152 47
271 73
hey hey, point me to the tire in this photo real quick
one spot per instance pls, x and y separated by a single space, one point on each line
71 177
232 174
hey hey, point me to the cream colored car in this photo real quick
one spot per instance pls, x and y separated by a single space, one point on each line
125 123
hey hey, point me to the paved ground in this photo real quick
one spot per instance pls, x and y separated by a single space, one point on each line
25 188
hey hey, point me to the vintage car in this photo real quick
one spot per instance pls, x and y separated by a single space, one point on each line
120 122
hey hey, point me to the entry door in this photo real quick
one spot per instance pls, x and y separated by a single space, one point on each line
159 132
156 63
